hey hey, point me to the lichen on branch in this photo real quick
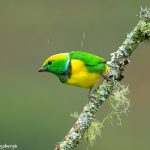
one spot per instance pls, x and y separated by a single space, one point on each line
119 59
119 103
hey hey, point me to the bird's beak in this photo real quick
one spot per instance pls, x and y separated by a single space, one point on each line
42 70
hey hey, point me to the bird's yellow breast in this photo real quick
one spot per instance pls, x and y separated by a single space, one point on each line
80 75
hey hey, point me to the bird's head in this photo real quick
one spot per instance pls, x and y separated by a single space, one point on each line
56 64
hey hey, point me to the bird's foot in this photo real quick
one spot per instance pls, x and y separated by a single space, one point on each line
106 77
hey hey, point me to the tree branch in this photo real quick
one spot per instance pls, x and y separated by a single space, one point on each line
117 63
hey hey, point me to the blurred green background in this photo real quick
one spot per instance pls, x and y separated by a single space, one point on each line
35 107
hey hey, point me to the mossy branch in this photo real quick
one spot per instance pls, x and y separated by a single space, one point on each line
119 59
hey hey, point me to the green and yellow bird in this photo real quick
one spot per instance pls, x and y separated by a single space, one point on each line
76 68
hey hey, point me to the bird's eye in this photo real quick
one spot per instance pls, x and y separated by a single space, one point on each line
49 62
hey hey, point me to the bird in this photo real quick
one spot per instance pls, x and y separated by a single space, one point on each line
77 68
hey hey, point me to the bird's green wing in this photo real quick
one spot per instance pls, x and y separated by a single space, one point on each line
92 62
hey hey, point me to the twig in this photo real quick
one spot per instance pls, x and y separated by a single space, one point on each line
117 63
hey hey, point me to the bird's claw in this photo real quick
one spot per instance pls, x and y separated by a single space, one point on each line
106 77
